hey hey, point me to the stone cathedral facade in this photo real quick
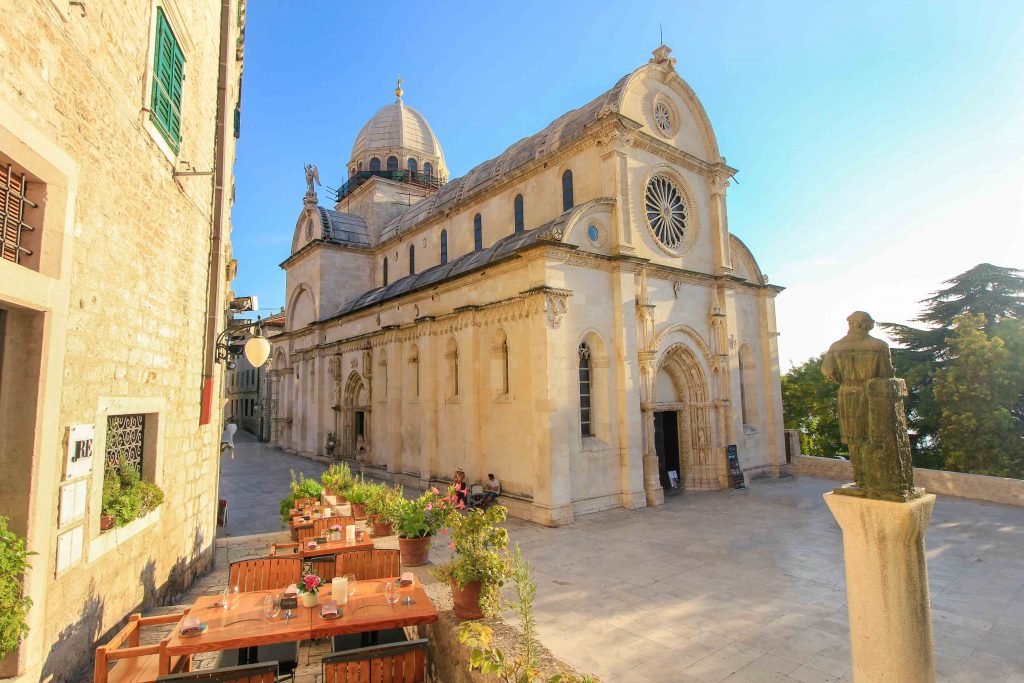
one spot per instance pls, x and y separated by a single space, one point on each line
572 315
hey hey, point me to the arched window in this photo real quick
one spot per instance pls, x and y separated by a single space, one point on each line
748 392
392 163
411 164
412 259
428 168
478 233
452 357
585 407
374 164
519 212
444 247
385 271
566 190
504 368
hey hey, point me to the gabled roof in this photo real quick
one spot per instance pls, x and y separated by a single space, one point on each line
504 248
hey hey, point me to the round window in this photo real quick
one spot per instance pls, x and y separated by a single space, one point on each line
593 233
663 118
666 211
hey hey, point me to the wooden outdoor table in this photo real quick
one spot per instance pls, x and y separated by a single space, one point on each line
367 610
322 549
243 626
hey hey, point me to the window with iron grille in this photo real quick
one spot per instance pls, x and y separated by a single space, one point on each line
16 214
585 407
125 441
168 78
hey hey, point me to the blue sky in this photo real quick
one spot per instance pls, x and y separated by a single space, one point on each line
880 144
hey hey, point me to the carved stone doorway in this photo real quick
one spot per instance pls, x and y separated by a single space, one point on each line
682 390
355 419
666 445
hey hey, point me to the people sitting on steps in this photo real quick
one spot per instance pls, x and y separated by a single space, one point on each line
492 489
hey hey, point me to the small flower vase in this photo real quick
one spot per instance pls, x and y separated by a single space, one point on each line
335 536
309 599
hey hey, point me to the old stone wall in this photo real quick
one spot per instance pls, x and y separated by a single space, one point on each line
136 314
974 486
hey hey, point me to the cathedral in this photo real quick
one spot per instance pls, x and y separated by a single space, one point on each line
573 315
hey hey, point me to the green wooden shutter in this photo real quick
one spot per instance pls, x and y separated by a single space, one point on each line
168 76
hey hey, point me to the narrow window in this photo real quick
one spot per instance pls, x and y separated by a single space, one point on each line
412 259
428 168
392 163
444 247
504 367
385 271
374 164
566 190
168 77
743 392
412 165
585 407
452 356
478 233
519 212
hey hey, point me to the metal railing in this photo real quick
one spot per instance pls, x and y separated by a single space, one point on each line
401 176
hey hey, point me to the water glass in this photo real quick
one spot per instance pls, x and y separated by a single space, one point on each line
392 592
351 584
271 606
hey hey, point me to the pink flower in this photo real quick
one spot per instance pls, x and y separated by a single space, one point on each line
462 505
458 487
433 489
444 532
452 546
430 506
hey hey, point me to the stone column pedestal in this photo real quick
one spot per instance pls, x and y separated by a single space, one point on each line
887 587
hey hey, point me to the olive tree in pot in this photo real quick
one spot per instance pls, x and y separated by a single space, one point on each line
14 605
480 564
416 521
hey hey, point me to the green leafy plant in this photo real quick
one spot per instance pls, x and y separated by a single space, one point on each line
524 665
337 479
126 496
422 516
382 498
14 606
359 492
480 554
301 487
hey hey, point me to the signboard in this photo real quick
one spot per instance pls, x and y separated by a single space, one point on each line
734 467
78 456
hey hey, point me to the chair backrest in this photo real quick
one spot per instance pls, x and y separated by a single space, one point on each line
369 564
265 672
304 502
264 573
395 662
321 526
137 660
325 567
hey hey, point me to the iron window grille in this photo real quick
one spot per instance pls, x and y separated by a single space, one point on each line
125 441
585 428
13 207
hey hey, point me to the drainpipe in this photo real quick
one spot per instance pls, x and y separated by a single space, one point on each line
222 165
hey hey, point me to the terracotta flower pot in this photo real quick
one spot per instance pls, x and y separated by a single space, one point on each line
414 551
106 522
382 528
358 511
467 600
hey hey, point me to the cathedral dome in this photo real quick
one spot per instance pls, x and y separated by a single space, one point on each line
398 135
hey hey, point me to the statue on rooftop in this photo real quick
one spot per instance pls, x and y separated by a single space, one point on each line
872 421
312 176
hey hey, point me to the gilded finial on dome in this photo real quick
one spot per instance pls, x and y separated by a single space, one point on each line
398 88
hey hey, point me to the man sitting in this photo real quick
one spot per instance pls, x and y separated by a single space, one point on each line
492 489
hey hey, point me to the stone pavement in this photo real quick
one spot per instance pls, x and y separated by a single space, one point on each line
724 586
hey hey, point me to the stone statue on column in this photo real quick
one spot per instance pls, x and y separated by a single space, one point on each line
872 421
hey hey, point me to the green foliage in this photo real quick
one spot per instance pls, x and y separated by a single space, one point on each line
422 516
976 392
301 487
126 496
337 479
481 554
359 492
382 499
521 667
13 605
810 404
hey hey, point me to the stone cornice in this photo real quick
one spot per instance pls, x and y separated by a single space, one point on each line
308 247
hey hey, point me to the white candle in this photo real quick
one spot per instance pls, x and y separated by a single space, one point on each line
339 589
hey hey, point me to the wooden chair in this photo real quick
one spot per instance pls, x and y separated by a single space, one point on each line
397 663
306 502
321 526
137 662
264 573
247 673
368 564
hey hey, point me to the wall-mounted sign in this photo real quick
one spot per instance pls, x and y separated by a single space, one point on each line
72 502
734 467
69 548
78 458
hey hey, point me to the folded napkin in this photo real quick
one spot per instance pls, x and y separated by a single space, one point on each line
190 626
311 545
329 609
291 590
406 579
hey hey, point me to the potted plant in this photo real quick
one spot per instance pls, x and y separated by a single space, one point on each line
382 498
308 587
416 521
357 496
14 605
127 497
301 488
480 564
336 481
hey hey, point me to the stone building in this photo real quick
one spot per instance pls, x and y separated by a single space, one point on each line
573 315
117 139
247 389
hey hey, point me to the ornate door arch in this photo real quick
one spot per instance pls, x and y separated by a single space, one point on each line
355 415
692 404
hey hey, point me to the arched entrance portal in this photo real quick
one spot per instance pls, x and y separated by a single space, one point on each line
682 425
355 416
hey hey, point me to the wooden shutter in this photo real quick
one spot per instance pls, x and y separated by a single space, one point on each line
168 77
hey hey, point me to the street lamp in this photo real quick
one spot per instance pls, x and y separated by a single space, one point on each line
256 348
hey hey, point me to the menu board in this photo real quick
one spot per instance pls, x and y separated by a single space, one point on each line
734 467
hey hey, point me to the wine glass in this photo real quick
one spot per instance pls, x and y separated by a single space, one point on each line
271 606
233 597
392 592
